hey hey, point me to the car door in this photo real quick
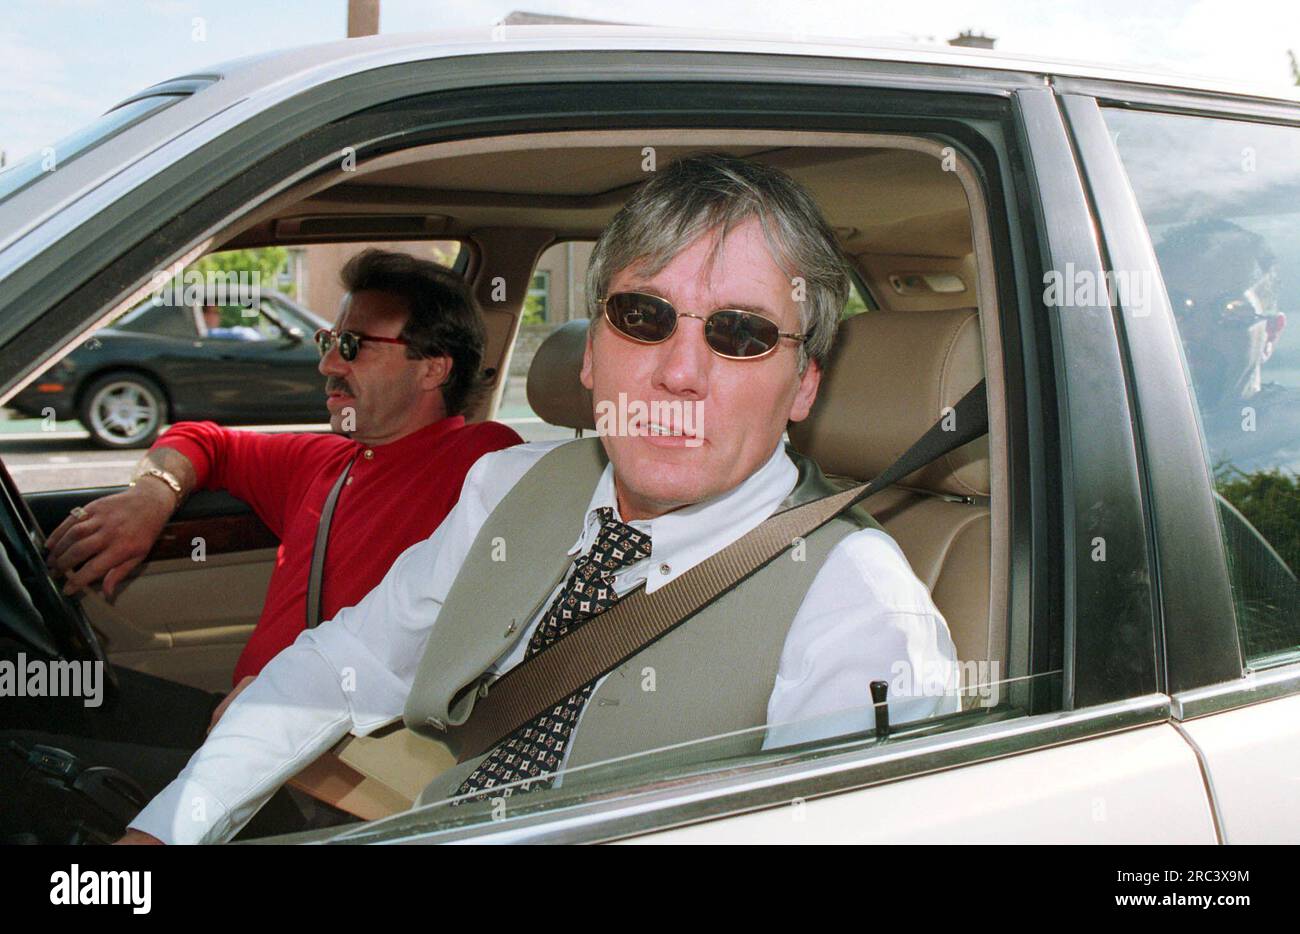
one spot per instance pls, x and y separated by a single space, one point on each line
1216 232
1139 784
1083 684
259 370
1108 767
164 341
196 597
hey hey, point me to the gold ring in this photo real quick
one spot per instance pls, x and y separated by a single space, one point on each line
78 513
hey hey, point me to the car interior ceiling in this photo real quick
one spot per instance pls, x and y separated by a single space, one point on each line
911 230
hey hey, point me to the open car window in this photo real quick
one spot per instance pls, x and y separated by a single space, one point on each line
554 298
842 169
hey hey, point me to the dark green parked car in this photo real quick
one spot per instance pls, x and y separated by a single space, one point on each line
162 363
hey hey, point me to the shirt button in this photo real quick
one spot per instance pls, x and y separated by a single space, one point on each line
349 481
665 569
369 455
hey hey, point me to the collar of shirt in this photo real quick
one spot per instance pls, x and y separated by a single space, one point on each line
417 442
683 538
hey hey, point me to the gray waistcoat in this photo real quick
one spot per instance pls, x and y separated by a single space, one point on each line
711 675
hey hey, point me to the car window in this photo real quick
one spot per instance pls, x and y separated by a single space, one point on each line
287 317
309 274
857 303
162 320
239 322
558 290
1224 219
974 606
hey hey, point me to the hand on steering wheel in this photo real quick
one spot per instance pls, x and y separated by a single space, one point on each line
107 538
65 624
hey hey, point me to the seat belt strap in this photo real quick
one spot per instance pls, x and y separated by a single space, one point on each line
609 639
319 547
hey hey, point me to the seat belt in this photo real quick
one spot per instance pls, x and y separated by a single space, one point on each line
319 547
610 638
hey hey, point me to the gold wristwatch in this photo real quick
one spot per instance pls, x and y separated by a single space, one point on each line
164 475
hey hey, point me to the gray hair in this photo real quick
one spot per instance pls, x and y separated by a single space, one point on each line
713 190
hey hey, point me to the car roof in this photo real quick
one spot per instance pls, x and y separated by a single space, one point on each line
227 93
245 75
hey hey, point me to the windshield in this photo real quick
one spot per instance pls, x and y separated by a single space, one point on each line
46 160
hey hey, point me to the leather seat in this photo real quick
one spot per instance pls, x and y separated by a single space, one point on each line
554 390
889 379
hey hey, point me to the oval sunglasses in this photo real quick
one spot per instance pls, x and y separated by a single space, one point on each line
349 342
729 332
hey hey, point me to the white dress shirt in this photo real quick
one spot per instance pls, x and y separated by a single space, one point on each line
866 617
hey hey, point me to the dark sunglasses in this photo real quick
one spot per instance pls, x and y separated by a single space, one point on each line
729 332
349 342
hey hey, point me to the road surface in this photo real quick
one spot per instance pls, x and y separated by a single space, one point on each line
64 458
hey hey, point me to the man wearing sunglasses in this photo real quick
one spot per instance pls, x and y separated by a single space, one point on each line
716 289
401 368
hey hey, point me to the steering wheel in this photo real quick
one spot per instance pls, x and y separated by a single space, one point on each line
59 624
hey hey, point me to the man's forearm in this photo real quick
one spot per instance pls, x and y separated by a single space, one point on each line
289 715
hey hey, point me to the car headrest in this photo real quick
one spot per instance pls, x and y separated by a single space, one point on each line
890 376
554 391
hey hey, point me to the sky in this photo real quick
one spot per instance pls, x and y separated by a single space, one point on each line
64 62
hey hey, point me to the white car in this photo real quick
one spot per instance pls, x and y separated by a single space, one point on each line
1116 560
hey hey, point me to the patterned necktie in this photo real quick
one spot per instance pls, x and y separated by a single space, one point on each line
536 749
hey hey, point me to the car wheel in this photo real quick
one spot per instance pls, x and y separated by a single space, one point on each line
123 410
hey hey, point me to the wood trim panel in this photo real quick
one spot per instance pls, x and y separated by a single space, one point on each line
221 535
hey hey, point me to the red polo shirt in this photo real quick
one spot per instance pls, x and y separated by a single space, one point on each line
396 495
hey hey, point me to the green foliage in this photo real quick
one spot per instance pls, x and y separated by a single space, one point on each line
1270 501
854 306
266 261
534 310
1264 585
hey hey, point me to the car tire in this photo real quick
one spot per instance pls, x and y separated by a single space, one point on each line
123 410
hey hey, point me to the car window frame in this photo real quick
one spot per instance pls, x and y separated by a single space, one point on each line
1033 593
1202 643
1227 683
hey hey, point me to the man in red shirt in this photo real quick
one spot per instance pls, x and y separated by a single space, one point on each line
401 365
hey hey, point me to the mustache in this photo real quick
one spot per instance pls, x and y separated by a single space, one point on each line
337 384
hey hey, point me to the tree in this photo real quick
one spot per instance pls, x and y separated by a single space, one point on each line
265 261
